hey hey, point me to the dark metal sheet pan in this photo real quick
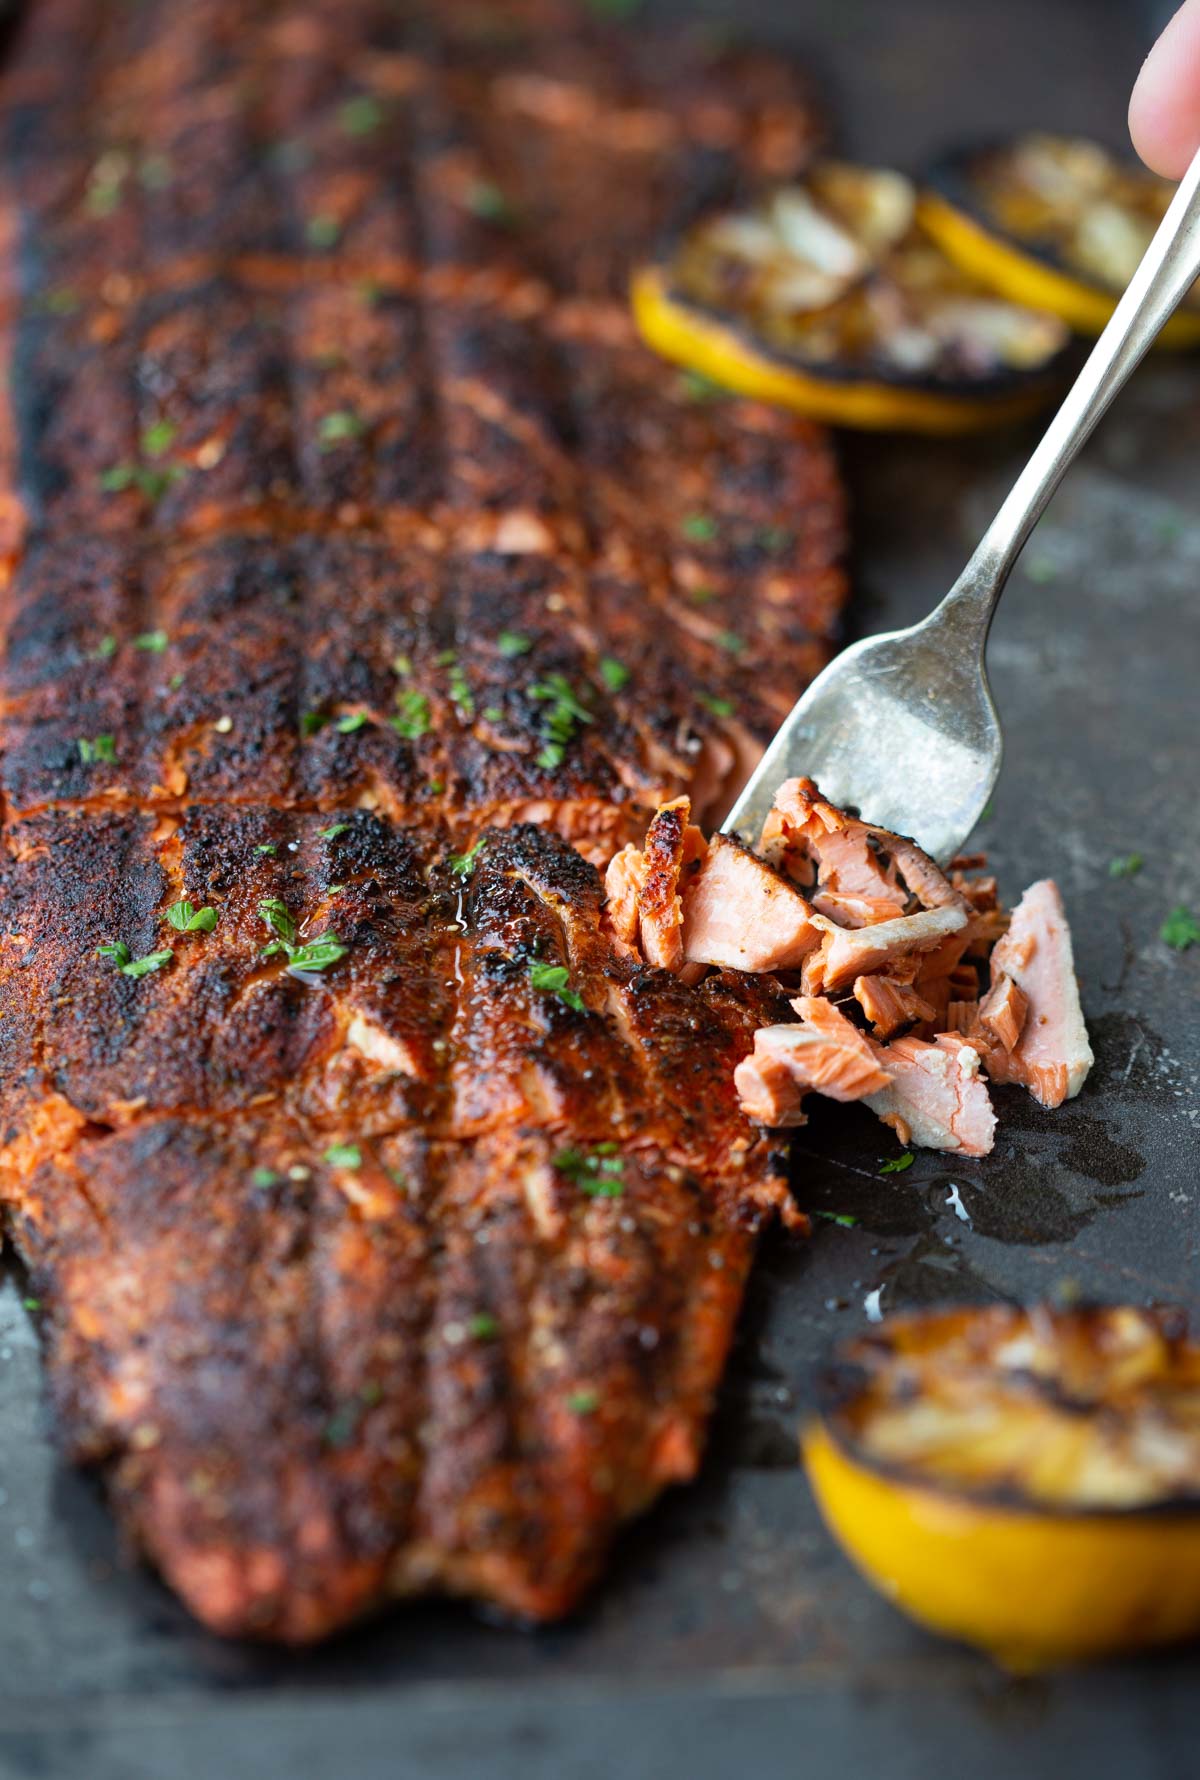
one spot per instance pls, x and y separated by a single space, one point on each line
730 1634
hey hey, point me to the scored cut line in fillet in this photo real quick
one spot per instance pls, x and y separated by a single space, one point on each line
321 393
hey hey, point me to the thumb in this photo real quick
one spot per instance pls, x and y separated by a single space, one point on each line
1164 112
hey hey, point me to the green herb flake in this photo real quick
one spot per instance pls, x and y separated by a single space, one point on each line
561 720
483 1326
1041 570
485 199
511 644
360 116
63 301
31 1303
175 682
897 1164
322 231
331 833
702 594
159 437
1127 866
553 979
412 715
446 658
99 748
838 1217
276 915
268 847
344 1155
613 673
585 1402
342 1426
318 954
118 478
698 528
493 713
185 917
105 649
352 721
154 172
731 642
720 707
1180 930
263 1177
334 429
460 693
312 722
775 539
142 967
115 950
463 864
597 1172
401 666
151 642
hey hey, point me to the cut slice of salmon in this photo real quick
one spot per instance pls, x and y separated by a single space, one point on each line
1003 1011
936 1097
823 1054
739 913
644 907
889 1004
850 952
1052 1056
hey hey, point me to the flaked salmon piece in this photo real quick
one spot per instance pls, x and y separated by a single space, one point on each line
836 854
962 1017
624 882
890 1004
1003 1011
824 1054
1052 1055
738 912
854 911
936 1097
847 953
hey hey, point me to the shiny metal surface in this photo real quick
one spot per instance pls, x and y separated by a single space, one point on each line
902 726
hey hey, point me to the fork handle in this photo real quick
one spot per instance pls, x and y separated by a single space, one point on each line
1167 272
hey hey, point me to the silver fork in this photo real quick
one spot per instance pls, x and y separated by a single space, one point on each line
902 727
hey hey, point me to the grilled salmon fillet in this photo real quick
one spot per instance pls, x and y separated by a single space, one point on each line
365 587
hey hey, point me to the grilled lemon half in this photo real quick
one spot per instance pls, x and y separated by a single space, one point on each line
828 296
1056 221
1025 1480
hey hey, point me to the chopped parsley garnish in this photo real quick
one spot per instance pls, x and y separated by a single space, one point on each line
463 864
1041 569
322 231
175 682
561 720
446 658
699 388
153 483
838 1217
63 301
159 437
31 1303
597 1172
154 172
267 847
276 915
774 539
402 666
331 833
342 1426
312 722
344 1155
584 1402
485 199
263 1177
702 594
318 954
1180 930
698 528
493 713
483 1326
291 156
151 642
553 979
185 917
511 644
133 967
361 115
614 673
460 692
352 721
412 714
1127 866
731 642
342 424
101 747
106 182
105 649
720 707
897 1164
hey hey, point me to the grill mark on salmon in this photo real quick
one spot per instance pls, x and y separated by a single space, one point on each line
321 489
